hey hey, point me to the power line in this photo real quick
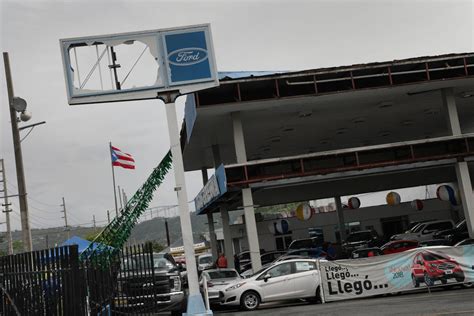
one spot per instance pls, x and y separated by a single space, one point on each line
30 198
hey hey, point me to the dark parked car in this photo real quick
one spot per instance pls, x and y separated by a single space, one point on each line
149 282
244 257
313 253
361 239
453 235
265 259
313 242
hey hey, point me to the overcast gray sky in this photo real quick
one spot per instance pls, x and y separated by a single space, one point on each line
69 155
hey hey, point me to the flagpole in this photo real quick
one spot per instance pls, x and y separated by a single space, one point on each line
113 179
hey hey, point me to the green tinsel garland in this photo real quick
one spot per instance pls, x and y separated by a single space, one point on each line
114 236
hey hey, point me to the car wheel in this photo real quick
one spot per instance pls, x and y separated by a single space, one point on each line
444 281
460 279
250 301
415 281
317 298
429 281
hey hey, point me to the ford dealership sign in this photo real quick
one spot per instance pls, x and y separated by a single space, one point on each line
188 56
181 60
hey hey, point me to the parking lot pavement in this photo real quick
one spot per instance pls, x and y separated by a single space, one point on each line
459 302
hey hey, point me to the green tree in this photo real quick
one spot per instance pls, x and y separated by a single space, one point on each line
92 236
17 246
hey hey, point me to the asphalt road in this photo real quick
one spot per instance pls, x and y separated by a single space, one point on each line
459 302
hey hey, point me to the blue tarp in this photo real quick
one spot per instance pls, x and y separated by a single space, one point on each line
81 243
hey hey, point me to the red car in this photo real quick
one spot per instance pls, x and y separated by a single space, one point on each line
429 267
398 246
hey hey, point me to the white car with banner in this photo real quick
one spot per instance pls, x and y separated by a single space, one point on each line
400 272
286 280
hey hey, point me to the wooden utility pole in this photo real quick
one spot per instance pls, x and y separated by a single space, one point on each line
25 222
108 216
66 227
7 208
93 220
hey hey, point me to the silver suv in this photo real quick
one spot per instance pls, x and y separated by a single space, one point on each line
424 231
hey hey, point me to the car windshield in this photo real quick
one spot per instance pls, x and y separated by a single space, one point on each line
144 263
468 241
244 256
260 271
359 236
433 256
204 260
225 274
461 225
303 243
417 228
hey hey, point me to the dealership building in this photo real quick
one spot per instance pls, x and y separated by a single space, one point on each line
276 138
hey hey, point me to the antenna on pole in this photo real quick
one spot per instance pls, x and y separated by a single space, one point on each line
66 227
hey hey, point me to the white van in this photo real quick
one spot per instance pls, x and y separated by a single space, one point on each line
205 261
424 231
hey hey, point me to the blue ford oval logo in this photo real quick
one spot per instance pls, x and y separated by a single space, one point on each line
187 56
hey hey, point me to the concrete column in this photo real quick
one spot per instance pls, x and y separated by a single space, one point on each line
467 198
210 220
462 169
216 154
251 226
212 235
340 217
449 103
247 199
228 251
239 140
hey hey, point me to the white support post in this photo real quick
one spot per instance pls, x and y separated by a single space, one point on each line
251 226
467 198
462 168
195 301
228 251
449 103
212 235
340 217
247 199
239 140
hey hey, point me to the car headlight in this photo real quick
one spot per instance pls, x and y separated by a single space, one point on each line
234 287
176 283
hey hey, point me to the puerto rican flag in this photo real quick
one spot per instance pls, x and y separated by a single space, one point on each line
121 159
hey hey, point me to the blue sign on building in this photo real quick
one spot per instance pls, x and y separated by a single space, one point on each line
187 57
215 187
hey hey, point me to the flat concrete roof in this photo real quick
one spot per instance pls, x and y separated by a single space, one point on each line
317 110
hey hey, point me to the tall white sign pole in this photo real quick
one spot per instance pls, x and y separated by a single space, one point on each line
195 297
